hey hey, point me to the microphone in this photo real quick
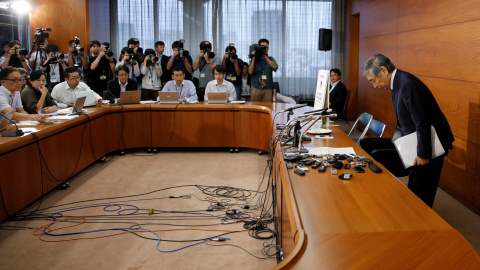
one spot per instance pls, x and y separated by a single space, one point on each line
293 108
56 100
320 111
116 104
15 133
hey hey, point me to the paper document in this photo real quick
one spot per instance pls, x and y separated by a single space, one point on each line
407 147
62 117
147 101
330 150
28 123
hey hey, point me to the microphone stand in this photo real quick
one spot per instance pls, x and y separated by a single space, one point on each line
15 133
116 104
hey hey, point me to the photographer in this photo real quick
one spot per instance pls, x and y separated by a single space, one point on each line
77 58
162 61
128 59
16 56
261 70
152 72
205 62
40 55
234 66
182 59
54 66
101 66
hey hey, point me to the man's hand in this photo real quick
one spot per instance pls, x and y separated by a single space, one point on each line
71 103
38 117
50 109
201 54
226 55
99 102
420 161
175 53
101 53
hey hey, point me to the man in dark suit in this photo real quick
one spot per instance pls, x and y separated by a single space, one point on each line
338 92
416 110
121 83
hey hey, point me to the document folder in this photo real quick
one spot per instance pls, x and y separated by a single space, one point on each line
407 147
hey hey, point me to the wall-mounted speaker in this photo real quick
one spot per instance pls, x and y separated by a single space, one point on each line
325 39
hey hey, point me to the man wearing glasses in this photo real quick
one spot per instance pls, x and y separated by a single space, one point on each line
10 99
64 92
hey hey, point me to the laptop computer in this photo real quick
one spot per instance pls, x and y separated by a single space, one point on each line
90 98
168 97
130 97
217 97
78 106
4 122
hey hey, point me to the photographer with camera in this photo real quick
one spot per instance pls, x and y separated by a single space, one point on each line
16 56
152 72
162 61
234 66
128 59
181 58
54 66
101 66
261 70
40 42
77 58
205 62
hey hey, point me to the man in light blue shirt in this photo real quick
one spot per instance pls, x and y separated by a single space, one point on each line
220 85
185 88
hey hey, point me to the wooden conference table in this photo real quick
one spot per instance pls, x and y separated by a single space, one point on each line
370 222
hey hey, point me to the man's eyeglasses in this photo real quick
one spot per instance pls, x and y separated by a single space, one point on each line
75 78
22 80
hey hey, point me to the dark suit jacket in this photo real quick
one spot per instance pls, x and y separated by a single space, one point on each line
338 97
114 87
416 110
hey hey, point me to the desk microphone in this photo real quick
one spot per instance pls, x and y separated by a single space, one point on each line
116 104
15 133
322 111
293 108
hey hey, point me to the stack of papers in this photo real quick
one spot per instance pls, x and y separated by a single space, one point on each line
62 117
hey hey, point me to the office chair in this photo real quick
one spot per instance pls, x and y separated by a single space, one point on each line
365 119
343 115
383 150
377 127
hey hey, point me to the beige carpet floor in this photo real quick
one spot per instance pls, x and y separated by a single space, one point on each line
138 173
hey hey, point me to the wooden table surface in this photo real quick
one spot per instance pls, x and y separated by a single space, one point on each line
369 222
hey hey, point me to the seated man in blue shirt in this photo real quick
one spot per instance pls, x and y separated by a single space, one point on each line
185 88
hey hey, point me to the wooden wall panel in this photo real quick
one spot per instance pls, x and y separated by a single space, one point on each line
457 101
458 173
450 51
440 12
377 19
66 18
439 42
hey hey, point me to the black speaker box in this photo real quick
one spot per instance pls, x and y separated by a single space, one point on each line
325 39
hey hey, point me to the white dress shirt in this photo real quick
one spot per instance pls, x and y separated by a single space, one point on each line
63 93
226 86
9 99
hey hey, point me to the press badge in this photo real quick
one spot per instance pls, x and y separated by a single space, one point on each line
53 78
103 77
264 77
233 78
202 75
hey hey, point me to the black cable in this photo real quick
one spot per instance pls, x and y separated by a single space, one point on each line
173 130
262 258
91 137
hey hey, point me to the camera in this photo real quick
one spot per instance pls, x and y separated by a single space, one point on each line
153 58
56 56
209 53
204 46
130 54
21 51
108 51
39 36
183 52
259 51
78 48
232 55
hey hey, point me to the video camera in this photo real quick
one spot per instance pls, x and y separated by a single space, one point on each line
108 51
39 36
259 51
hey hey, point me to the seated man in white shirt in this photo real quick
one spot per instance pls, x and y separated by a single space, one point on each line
64 93
220 85
185 88
12 83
